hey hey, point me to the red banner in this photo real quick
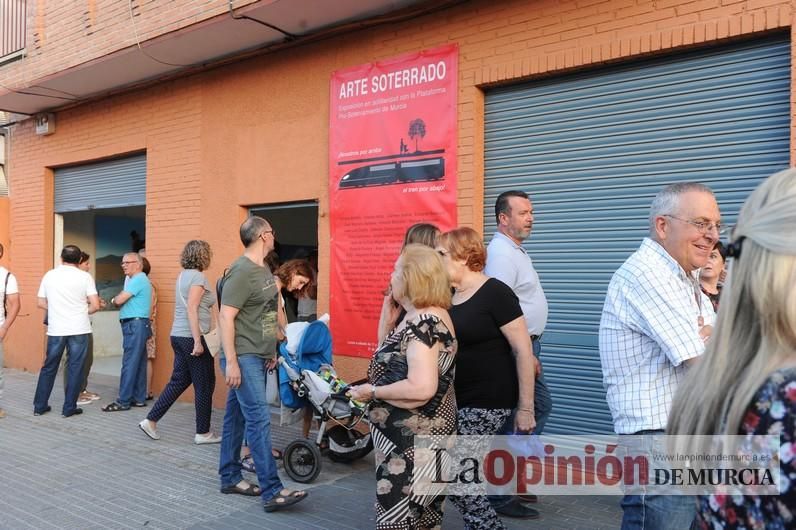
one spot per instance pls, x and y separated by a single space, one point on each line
392 163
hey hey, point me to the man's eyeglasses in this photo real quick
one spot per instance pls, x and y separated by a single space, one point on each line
128 262
703 226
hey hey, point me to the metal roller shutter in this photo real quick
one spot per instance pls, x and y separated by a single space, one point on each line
110 184
593 149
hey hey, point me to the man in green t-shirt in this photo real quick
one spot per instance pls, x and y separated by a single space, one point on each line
248 337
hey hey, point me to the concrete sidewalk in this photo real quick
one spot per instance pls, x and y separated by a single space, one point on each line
99 471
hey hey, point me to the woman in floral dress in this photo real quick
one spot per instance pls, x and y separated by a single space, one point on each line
411 389
746 381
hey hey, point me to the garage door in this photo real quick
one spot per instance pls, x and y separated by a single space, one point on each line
593 149
109 184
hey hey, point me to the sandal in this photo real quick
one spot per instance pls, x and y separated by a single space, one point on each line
251 490
247 463
114 407
283 499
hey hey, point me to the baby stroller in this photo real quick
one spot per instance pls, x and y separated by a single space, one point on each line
306 376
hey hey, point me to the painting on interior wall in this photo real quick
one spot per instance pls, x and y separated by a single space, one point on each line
115 236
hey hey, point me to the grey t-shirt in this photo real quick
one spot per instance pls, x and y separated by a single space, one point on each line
252 290
186 280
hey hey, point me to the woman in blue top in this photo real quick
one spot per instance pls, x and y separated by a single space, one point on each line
193 363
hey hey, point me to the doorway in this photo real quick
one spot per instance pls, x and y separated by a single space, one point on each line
296 227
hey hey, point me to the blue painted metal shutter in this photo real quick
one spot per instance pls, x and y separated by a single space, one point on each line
593 149
109 184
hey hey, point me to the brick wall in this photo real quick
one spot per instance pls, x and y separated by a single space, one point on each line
256 132
5 230
62 34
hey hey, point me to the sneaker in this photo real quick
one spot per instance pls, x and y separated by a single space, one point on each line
209 438
149 429
93 396
83 399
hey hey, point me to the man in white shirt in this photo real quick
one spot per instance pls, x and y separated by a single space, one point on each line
507 260
9 292
69 296
653 325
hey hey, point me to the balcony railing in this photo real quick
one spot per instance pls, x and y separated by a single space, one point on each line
12 29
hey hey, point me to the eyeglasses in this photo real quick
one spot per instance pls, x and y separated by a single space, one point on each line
128 262
703 226
272 232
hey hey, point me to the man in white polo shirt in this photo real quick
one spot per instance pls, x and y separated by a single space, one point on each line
507 260
69 296
9 292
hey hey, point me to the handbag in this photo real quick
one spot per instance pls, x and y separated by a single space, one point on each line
212 337
213 341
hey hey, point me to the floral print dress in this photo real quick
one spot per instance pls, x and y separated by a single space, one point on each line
393 429
773 411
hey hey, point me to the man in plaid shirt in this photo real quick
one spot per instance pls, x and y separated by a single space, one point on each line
654 325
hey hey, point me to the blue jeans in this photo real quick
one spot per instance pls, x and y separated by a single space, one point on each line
542 401
542 406
655 512
132 383
658 512
247 407
75 346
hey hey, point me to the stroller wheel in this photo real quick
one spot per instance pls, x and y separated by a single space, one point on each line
302 461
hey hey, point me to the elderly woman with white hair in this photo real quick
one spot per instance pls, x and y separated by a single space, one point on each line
746 381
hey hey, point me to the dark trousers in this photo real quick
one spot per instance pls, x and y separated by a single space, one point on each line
189 370
132 383
87 363
75 346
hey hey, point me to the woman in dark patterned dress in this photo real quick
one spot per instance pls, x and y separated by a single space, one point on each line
411 389
746 381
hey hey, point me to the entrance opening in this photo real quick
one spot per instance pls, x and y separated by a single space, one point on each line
106 235
296 226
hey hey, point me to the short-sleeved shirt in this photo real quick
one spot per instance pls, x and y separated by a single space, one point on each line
486 370
508 262
139 304
251 289
13 288
66 289
187 279
649 328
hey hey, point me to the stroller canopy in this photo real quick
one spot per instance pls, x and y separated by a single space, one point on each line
314 350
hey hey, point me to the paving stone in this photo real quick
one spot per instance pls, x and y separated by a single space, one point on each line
99 471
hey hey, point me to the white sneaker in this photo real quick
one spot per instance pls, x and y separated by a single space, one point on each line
148 429
209 438
84 401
